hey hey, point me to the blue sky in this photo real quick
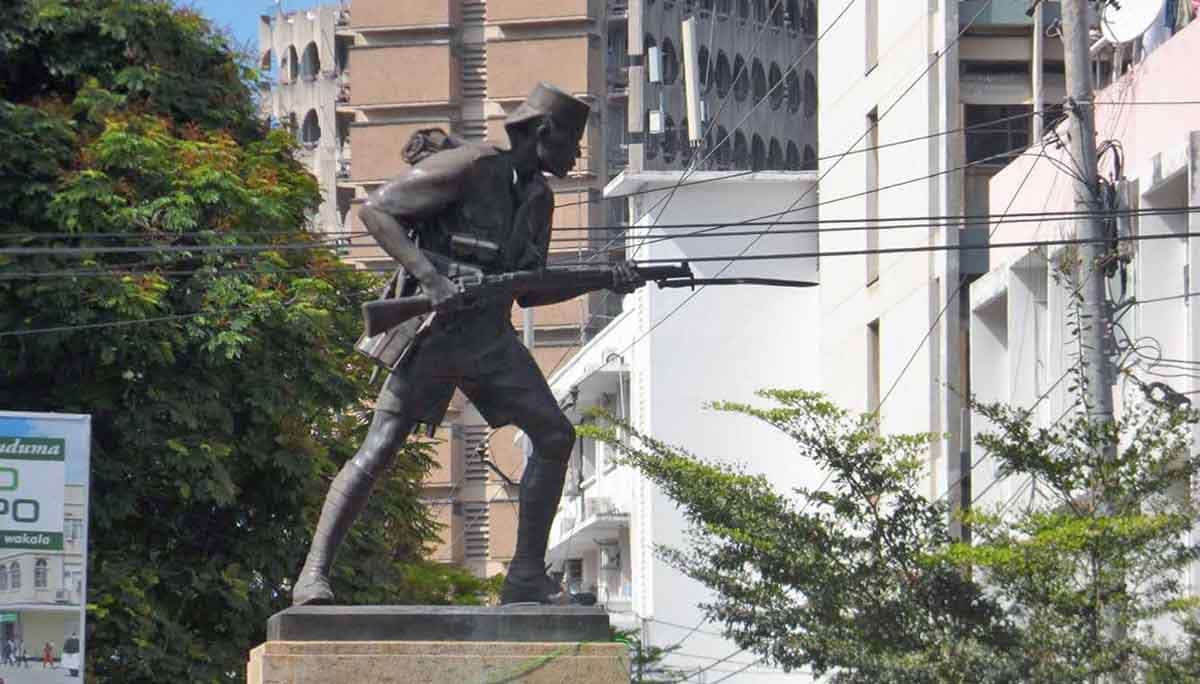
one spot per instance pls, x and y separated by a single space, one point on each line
240 17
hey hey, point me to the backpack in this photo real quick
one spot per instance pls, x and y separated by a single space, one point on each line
426 142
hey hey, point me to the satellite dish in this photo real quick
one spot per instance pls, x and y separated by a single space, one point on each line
1124 20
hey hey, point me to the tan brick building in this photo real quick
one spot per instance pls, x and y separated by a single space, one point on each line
463 64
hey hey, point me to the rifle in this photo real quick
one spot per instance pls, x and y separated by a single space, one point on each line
476 288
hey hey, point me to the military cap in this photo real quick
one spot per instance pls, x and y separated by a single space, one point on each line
545 99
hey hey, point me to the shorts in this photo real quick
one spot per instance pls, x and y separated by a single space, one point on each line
495 371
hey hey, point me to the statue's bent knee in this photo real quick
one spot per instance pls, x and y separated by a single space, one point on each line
555 443
387 435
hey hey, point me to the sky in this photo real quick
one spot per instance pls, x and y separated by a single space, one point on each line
240 17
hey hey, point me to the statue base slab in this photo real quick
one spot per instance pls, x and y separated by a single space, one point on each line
438 645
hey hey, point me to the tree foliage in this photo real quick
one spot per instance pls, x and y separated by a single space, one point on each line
861 579
207 333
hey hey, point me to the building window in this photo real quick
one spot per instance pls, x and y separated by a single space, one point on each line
311 65
873 368
291 65
872 195
810 18
669 139
73 577
310 133
793 157
776 89
777 13
704 68
741 151
267 63
775 156
724 74
810 95
758 78
14 575
74 529
741 79
41 572
743 7
794 21
342 53
3 578
724 153
871 10
760 11
758 153
723 7
810 158
793 92
996 133
670 62
574 575
650 148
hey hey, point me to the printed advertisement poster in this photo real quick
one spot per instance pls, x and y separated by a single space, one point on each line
44 465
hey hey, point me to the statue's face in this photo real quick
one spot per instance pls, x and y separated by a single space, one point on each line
558 148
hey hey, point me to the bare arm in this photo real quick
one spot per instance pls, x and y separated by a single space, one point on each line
414 196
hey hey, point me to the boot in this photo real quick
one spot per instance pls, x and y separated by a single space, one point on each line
346 499
541 489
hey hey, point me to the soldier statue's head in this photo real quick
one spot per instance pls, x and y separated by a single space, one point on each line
546 129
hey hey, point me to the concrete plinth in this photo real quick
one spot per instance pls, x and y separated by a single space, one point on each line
437 662
438 645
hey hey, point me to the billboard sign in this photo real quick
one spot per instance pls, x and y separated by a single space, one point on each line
32 478
44 479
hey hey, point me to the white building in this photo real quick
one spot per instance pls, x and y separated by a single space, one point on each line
898 82
304 63
657 365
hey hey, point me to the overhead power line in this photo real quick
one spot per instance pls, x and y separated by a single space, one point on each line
942 221
732 258
745 172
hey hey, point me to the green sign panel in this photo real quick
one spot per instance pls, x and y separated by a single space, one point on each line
7 617
43 541
33 448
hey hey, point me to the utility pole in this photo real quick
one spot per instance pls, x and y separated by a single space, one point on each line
1082 112
1090 276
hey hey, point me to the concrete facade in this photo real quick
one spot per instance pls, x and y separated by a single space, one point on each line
302 60
898 83
656 366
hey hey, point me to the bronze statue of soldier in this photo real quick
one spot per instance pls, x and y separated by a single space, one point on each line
490 209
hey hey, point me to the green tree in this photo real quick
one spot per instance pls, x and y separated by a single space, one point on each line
645 661
208 334
861 579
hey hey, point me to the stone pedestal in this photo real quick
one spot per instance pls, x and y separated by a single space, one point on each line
438 645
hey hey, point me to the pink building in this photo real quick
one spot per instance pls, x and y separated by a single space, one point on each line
1018 344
